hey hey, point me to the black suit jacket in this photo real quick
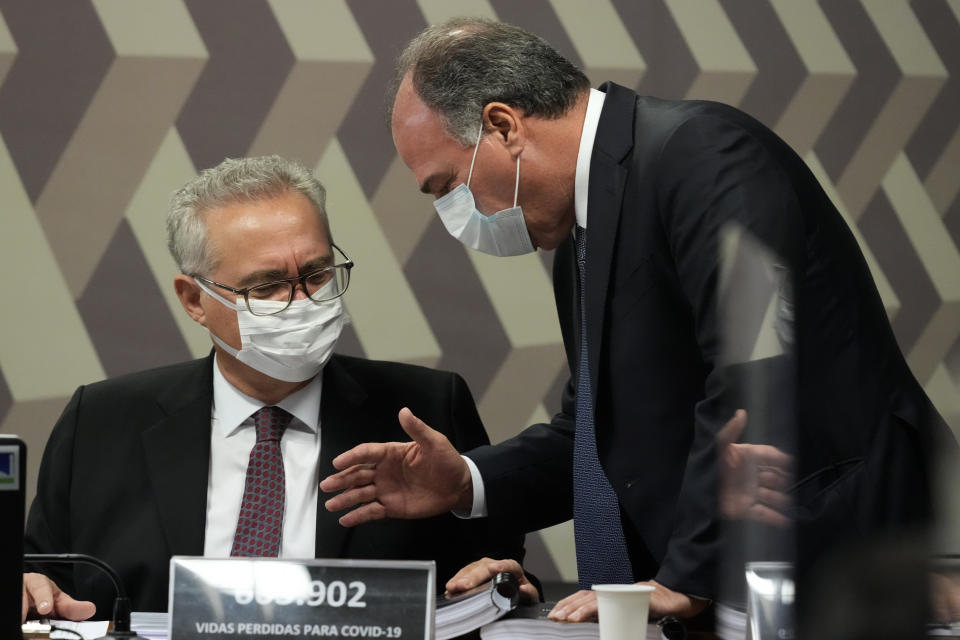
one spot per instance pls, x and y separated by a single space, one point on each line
124 474
665 177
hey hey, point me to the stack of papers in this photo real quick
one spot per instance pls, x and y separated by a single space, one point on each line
488 602
944 630
532 622
150 625
69 630
731 622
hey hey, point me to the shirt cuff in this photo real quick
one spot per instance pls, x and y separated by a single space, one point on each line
479 508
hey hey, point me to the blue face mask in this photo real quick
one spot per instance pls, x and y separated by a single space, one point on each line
501 234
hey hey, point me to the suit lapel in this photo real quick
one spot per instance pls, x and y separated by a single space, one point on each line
608 175
341 411
177 450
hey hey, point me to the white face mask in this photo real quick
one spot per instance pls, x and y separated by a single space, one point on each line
292 345
502 234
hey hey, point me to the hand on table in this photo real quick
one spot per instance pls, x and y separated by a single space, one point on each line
582 605
476 573
418 479
41 595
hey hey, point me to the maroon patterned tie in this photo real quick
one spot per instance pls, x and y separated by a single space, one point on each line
261 512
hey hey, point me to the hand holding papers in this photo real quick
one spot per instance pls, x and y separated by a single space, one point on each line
478 574
477 607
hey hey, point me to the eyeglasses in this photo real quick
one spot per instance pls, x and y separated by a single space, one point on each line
322 285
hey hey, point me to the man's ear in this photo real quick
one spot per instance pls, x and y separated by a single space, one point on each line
189 294
508 125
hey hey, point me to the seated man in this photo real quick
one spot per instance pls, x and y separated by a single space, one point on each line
167 461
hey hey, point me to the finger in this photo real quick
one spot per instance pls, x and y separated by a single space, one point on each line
24 605
769 456
773 499
366 513
581 607
559 611
469 576
586 612
766 515
70 609
355 476
562 611
369 453
352 498
40 591
477 573
732 429
773 479
528 592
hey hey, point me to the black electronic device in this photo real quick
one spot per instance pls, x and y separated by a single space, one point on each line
13 462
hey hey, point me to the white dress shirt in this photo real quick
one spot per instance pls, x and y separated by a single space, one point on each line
581 185
581 190
232 437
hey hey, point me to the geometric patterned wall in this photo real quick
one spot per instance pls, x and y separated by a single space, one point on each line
107 106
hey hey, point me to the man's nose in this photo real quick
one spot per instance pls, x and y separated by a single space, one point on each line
300 291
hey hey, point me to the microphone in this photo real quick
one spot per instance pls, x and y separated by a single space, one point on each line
121 606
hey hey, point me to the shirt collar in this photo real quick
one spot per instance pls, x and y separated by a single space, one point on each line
231 406
581 187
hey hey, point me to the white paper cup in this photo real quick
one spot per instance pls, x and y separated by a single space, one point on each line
623 609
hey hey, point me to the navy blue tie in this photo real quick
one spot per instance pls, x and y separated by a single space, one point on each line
601 548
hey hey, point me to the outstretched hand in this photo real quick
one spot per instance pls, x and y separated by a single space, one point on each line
418 479
754 478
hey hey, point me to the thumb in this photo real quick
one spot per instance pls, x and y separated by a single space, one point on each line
72 609
416 428
732 430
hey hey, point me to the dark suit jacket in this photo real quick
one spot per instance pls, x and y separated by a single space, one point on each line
665 177
124 474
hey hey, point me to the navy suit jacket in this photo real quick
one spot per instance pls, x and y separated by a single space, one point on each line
665 178
124 474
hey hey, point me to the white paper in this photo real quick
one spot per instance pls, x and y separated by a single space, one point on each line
89 630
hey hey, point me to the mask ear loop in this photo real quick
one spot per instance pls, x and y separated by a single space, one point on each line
476 148
219 298
516 187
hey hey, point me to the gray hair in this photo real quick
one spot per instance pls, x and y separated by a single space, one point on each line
232 181
463 64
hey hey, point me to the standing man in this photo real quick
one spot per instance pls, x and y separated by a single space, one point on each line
222 456
633 192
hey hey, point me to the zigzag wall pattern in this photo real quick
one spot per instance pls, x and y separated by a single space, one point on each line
106 106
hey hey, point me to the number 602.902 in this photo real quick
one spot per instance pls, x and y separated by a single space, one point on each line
335 594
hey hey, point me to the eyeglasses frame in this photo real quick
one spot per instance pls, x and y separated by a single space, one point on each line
301 280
